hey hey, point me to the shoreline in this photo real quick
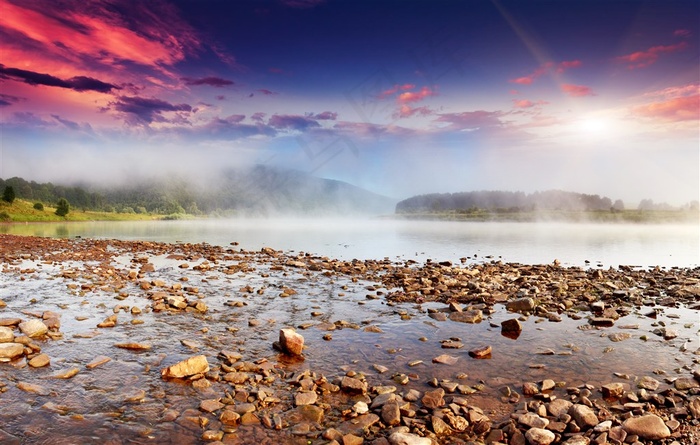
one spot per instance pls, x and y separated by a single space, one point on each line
222 297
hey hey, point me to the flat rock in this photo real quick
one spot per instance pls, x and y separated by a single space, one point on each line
471 316
134 346
33 328
8 351
649 426
434 399
191 366
446 359
602 321
408 439
483 352
32 388
353 385
7 335
98 361
39 361
558 407
305 398
613 390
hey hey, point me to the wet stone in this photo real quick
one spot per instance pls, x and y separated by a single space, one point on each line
191 366
33 328
471 316
9 351
39 361
481 353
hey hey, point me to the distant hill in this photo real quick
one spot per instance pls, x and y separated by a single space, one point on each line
258 191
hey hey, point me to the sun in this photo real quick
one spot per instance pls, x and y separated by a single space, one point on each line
593 126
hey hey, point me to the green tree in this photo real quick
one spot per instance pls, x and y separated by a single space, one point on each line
39 206
8 195
62 207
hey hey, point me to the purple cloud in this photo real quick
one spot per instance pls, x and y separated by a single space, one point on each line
139 110
216 82
77 83
325 116
7 99
292 122
266 92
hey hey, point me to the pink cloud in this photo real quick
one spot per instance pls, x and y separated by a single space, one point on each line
568 64
405 111
545 68
684 33
524 103
643 59
673 110
675 91
395 89
415 96
577 90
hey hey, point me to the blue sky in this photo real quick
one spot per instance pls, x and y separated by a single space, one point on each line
400 97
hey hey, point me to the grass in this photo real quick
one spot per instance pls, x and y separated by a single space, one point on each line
24 211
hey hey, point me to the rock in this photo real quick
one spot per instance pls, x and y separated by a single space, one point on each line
685 383
483 352
539 436
648 383
547 384
360 407
391 414
7 335
32 388
669 334
408 439
584 416
66 374
98 361
558 407
291 342
191 366
602 321
472 316
305 398
525 304
619 336
694 407
649 426
530 389
33 328
577 440
510 326
440 428
229 417
446 359
613 390
353 385
210 405
433 399
8 351
39 361
532 420
134 346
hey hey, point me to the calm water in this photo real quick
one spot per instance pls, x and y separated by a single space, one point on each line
530 243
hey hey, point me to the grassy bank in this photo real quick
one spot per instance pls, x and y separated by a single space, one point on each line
624 216
24 211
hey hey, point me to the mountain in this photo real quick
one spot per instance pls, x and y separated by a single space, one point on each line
265 191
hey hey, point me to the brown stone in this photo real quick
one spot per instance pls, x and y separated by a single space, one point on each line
650 427
434 399
291 342
191 366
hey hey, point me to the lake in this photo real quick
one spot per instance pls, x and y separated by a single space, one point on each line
529 243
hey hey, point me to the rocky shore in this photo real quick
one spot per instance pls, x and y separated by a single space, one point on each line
107 341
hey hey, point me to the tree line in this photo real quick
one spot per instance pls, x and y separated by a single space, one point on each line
495 201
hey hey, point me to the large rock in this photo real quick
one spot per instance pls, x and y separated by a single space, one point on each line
511 326
584 416
7 335
521 304
558 407
539 436
33 328
291 342
408 439
472 316
8 351
434 399
650 427
193 365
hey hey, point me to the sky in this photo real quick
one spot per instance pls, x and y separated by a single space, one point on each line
398 97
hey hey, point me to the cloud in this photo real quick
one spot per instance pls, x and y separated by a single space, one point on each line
366 129
471 120
547 67
643 59
415 96
405 111
29 119
139 110
577 90
229 128
258 117
292 122
326 116
266 92
395 89
216 82
7 99
73 125
524 103
220 97
678 109
684 33
77 83
675 91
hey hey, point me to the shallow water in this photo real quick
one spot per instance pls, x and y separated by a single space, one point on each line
528 243
95 406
